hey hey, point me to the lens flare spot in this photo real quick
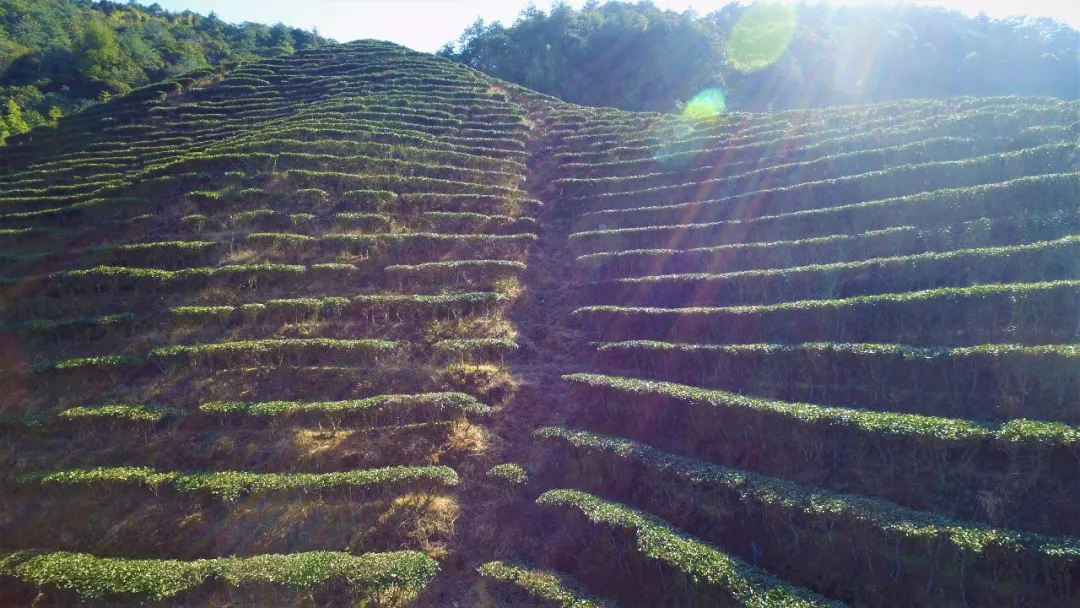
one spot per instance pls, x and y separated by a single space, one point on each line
706 106
761 36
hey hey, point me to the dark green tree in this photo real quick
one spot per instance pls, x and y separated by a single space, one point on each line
97 51
633 56
71 53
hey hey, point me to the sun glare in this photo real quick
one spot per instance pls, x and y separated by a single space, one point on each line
761 35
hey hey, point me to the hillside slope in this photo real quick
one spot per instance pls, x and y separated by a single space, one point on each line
361 324
68 54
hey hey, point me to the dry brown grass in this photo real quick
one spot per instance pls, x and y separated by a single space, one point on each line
489 381
317 445
132 523
994 506
242 255
489 326
428 522
216 296
467 439
511 287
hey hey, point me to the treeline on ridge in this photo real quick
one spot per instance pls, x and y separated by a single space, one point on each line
59 56
635 56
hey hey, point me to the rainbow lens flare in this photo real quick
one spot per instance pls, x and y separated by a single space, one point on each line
706 106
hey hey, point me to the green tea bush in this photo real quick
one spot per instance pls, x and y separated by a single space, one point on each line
230 486
260 219
467 272
1014 313
94 578
915 460
542 584
981 382
476 349
402 307
368 200
285 351
1042 194
139 414
509 474
194 223
888 242
1034 262
311 197
697 570
719 497
382 408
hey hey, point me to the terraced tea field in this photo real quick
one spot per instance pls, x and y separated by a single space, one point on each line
363 325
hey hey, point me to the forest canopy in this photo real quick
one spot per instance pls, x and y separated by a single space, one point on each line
58 56
636 56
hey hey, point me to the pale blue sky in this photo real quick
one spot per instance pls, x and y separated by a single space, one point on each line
425 25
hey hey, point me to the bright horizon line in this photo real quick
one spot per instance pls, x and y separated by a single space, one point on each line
426 25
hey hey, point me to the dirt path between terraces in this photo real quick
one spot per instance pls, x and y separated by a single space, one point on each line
493 525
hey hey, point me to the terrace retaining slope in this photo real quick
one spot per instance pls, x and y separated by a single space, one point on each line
363 266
